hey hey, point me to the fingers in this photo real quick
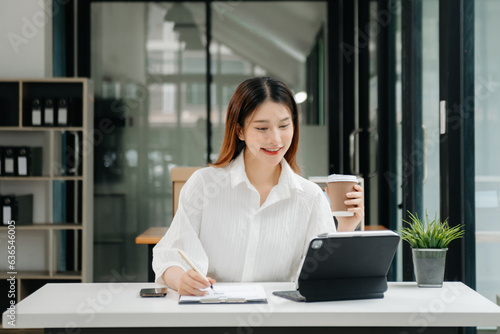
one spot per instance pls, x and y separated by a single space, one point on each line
192 283
358 187
355 201
358 211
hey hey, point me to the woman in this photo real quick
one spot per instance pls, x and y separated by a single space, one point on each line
250 216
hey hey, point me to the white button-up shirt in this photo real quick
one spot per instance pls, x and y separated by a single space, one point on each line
223 228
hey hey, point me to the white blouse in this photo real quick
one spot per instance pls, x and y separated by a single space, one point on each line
223 228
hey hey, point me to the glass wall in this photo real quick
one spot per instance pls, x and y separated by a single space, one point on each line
149 68
487 152
284 40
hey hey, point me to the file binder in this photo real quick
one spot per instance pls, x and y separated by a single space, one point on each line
9 162
8 113
18 208
75 107
1 161
48 119
22 161
62 112
59 205
73 202
36 112
28 161
73 153
6 209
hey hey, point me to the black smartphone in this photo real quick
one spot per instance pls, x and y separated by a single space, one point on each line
154 292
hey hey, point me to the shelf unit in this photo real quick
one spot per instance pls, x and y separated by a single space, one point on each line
44 245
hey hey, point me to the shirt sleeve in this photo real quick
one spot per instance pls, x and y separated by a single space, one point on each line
183 233
320 221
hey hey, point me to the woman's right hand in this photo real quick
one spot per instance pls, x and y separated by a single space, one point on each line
186 282
191 283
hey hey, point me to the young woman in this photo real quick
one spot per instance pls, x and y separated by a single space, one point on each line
250 216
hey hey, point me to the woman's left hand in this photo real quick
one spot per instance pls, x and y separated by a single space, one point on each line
355 199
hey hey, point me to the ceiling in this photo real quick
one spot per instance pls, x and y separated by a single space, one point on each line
277 36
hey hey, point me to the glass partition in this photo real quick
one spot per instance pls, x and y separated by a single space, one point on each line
284 40
149 68
487 152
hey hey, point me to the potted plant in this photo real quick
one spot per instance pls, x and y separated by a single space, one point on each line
429 243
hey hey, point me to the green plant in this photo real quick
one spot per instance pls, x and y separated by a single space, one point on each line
434 234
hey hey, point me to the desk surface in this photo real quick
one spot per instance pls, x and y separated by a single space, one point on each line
119 305
153 234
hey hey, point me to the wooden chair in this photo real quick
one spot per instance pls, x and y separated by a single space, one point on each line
150 237
179 176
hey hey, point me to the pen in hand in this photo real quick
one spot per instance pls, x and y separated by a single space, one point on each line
190 263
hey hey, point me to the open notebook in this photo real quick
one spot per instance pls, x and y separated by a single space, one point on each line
229 293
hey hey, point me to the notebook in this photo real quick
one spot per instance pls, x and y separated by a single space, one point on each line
345 265
229 293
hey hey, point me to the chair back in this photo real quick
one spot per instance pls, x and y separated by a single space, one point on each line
179 176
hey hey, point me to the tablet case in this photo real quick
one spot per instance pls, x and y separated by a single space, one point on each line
345 265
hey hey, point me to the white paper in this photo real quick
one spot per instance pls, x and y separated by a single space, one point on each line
22 166
62 116
229 293
7 215
9 165
36 117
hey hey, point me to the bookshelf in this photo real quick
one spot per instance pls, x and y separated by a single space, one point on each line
56 245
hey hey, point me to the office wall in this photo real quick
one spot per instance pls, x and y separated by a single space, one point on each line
26 38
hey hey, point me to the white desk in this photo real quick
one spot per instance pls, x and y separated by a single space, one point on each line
118 305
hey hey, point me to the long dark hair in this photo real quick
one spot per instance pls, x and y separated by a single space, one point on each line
249 96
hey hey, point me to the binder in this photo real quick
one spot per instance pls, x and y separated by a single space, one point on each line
6 209
70 250
1 161
24 214
59 203
28 161
73 202
36 161
17 208
62 112
36 112
75 107
48 119
22 161
8 113
9 162
73 153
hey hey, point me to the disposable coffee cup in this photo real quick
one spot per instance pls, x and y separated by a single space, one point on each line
338 186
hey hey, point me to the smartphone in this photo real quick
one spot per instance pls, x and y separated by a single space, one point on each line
154 292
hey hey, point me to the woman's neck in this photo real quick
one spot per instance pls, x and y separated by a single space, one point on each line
261 175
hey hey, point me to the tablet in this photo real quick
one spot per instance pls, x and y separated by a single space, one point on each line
345 265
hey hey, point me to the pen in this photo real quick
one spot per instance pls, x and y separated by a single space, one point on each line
193 266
